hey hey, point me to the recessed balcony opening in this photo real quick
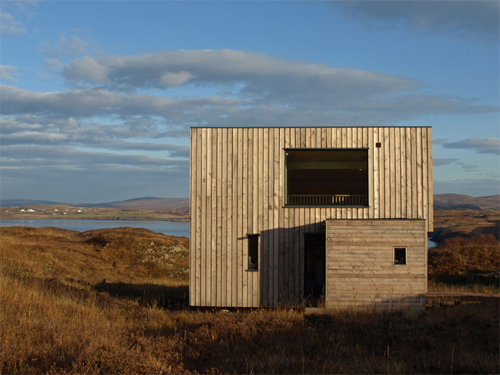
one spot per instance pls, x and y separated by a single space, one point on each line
326 177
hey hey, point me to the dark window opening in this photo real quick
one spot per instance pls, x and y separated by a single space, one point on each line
333 177
253 252
400 255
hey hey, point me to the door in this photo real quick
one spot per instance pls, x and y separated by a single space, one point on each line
314 265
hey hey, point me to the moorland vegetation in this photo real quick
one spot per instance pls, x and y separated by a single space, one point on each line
114 301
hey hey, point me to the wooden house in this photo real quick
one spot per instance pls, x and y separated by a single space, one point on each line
279 215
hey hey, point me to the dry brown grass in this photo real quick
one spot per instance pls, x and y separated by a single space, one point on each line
466 264
466 223
58 321
113 255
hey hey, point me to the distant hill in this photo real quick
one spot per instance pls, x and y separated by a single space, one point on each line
150 203
19 202
465 202
441 202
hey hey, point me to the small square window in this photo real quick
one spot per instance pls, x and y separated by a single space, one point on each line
253 252
400 255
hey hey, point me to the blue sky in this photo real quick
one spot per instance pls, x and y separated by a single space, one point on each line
97 97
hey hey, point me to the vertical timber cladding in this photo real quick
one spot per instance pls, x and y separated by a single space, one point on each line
237 185
361 267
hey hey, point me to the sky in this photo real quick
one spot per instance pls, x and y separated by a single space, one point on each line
97 97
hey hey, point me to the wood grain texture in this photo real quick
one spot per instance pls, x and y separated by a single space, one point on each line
237 183
360 262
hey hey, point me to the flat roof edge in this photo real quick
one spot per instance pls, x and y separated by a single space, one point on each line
305 127
378 219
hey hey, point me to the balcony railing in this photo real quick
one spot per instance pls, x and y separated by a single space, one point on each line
328 200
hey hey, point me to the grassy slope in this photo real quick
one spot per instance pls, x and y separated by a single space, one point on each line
469 264
451 201
465 223
58 315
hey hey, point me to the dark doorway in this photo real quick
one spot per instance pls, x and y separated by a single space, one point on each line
314 266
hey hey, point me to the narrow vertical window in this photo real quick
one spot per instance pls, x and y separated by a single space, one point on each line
400 255
253 252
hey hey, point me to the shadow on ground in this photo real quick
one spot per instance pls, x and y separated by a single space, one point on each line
166 297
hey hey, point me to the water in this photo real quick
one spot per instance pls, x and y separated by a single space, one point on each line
171 228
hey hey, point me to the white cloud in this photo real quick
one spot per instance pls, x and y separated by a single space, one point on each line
472 20
65 46
481 145
262 75
87 69
9 26
32 156
53 64
90 103
10 14
464 166
74 45
467 167
437 162
261 80
9 73
32 130
66 174
175 79
111 114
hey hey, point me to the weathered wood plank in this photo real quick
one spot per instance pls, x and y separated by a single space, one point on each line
224 211
219 209
295 235
196 186
430 212
276 212
399 173
230 214
261 212
266 212
376 174
208 255
425 181
403 185
419 173
285 246
193 212
244 214
387 179
255 219
393 171
204 235
235 218
248 202
240 215
213 259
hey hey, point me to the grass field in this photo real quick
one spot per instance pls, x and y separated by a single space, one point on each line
113 301
466 223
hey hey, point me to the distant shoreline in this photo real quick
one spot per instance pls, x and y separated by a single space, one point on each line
94 213
181 220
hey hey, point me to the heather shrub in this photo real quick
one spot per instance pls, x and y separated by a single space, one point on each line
461 261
